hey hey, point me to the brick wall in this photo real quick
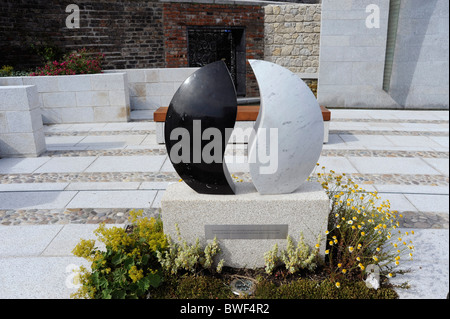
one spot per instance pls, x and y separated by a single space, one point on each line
177 16
129 32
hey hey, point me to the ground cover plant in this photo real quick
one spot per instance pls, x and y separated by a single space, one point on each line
140 261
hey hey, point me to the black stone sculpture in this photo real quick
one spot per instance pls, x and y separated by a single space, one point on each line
204 106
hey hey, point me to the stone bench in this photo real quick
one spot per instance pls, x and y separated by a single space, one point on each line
246 115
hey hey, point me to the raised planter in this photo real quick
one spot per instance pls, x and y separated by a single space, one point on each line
152 88
86 98
21 129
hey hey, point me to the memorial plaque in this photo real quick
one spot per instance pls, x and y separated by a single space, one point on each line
246 231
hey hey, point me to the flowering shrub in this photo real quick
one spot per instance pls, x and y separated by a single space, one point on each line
128 268
361 230
6 70
80 62
137 261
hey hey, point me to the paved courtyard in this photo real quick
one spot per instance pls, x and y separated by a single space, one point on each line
94 173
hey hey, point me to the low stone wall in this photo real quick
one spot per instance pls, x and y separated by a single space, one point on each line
292 36
151 88
80 98
21 129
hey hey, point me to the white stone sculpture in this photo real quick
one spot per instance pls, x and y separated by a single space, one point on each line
289 131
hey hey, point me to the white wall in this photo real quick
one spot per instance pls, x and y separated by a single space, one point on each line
79 98
151 88
21 129
352 56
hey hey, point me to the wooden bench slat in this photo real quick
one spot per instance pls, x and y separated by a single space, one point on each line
244 113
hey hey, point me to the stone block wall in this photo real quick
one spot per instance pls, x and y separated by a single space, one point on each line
292 36
151 88
80 98
353 56
21 129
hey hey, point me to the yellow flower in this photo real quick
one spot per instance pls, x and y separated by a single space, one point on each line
339 265
358 259
344 271
350 249
361 266
331 243
135 274
363 233
389 275
338 285
327 252
375 258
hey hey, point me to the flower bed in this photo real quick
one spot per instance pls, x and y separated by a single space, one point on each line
80 62
142 262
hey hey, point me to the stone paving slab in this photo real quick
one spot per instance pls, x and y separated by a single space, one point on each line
21 165
66 164
25 240
37 277
113 199
90 186
429 202
127 164
428 272
35 200
68 237
26 187
388 165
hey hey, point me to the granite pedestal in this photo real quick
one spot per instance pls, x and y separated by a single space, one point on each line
246 224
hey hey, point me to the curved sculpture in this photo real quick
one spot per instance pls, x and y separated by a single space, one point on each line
289 131
198 125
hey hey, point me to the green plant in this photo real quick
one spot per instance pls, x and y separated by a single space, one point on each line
361 230
271 260
47 52
189 286
6 70
312 289
294 258
128 268
188 257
